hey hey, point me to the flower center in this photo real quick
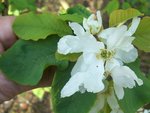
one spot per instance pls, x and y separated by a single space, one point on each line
105 54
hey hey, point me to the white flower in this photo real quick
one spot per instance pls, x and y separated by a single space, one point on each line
123 76
87 73
119 41
93 24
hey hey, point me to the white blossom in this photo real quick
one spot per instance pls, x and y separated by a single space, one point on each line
93 24
119 41
87 73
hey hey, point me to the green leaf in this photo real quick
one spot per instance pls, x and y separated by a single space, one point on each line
78 103
23 4
111 6
80 10
72 17
26 60
138 96
142 34
119 16
39 26
71 57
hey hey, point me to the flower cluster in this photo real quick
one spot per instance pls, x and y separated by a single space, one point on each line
103 58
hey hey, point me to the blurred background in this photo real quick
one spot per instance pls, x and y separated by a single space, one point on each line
38 100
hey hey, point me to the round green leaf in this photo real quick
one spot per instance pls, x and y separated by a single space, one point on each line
26 60
39 26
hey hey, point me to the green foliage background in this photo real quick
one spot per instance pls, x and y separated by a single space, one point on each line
39 32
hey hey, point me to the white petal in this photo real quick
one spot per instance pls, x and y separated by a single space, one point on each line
99 103
119 91
113 103
90 44
77 28
93 25
72 85
110 64
96 71
107 33
93 82
126 44
124 77
96 65
116 38
127 57
90 81
75 44
134 25
69 44
99 18
80 66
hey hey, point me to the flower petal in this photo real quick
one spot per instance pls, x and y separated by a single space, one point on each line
126 44
95 65
93 82
96 71
93 25
134 25
116 39
99 18
124 77
105 34
119 91
110 64
127 57
72 85
89 81
80 66
113 103
77 28
69 44
77 44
